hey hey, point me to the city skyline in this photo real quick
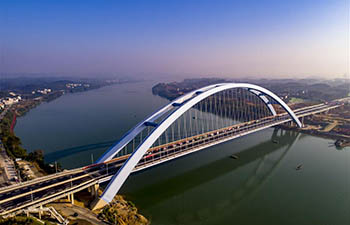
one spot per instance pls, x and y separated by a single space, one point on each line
296 39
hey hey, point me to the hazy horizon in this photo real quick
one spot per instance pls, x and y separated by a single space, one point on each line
147 39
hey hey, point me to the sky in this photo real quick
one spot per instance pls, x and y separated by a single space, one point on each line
243 38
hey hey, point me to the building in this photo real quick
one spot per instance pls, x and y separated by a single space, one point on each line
9 101
44 91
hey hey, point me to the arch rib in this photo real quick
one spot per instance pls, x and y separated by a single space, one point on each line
265 100
131 134
187 101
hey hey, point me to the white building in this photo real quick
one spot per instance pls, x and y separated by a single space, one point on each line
10 101
44 91
72 85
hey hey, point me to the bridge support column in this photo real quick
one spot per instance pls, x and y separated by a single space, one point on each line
68 197
40 211
90 190
94 190
98 203
72 198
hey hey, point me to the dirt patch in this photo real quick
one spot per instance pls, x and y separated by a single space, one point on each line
76 214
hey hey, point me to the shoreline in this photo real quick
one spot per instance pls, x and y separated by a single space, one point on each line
317 133
13 124
127 208
20 109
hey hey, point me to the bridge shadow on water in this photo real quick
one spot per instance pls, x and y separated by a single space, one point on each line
54 156
150 194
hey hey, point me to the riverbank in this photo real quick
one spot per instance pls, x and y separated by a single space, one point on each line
34 161
342 143
315 132
10 114
33 165
335 125
119 211
23 220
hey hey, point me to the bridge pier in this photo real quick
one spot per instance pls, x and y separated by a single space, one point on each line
40 211
98 203
72 198
94 190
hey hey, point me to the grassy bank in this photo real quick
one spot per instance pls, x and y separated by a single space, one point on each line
120 211
12 143
22 220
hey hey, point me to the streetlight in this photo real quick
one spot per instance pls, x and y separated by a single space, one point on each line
71 182
31 194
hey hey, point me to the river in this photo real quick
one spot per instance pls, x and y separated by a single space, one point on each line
207 187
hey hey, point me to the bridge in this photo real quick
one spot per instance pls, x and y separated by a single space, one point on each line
195 121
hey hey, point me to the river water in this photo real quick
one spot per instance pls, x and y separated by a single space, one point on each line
207 187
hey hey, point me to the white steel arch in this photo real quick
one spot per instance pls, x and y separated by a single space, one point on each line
131 134
183 103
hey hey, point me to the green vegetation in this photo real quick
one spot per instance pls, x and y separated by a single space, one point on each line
122 212
79 222
24 107
294 100
21 220
12 145
38 157
27 88
11 142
